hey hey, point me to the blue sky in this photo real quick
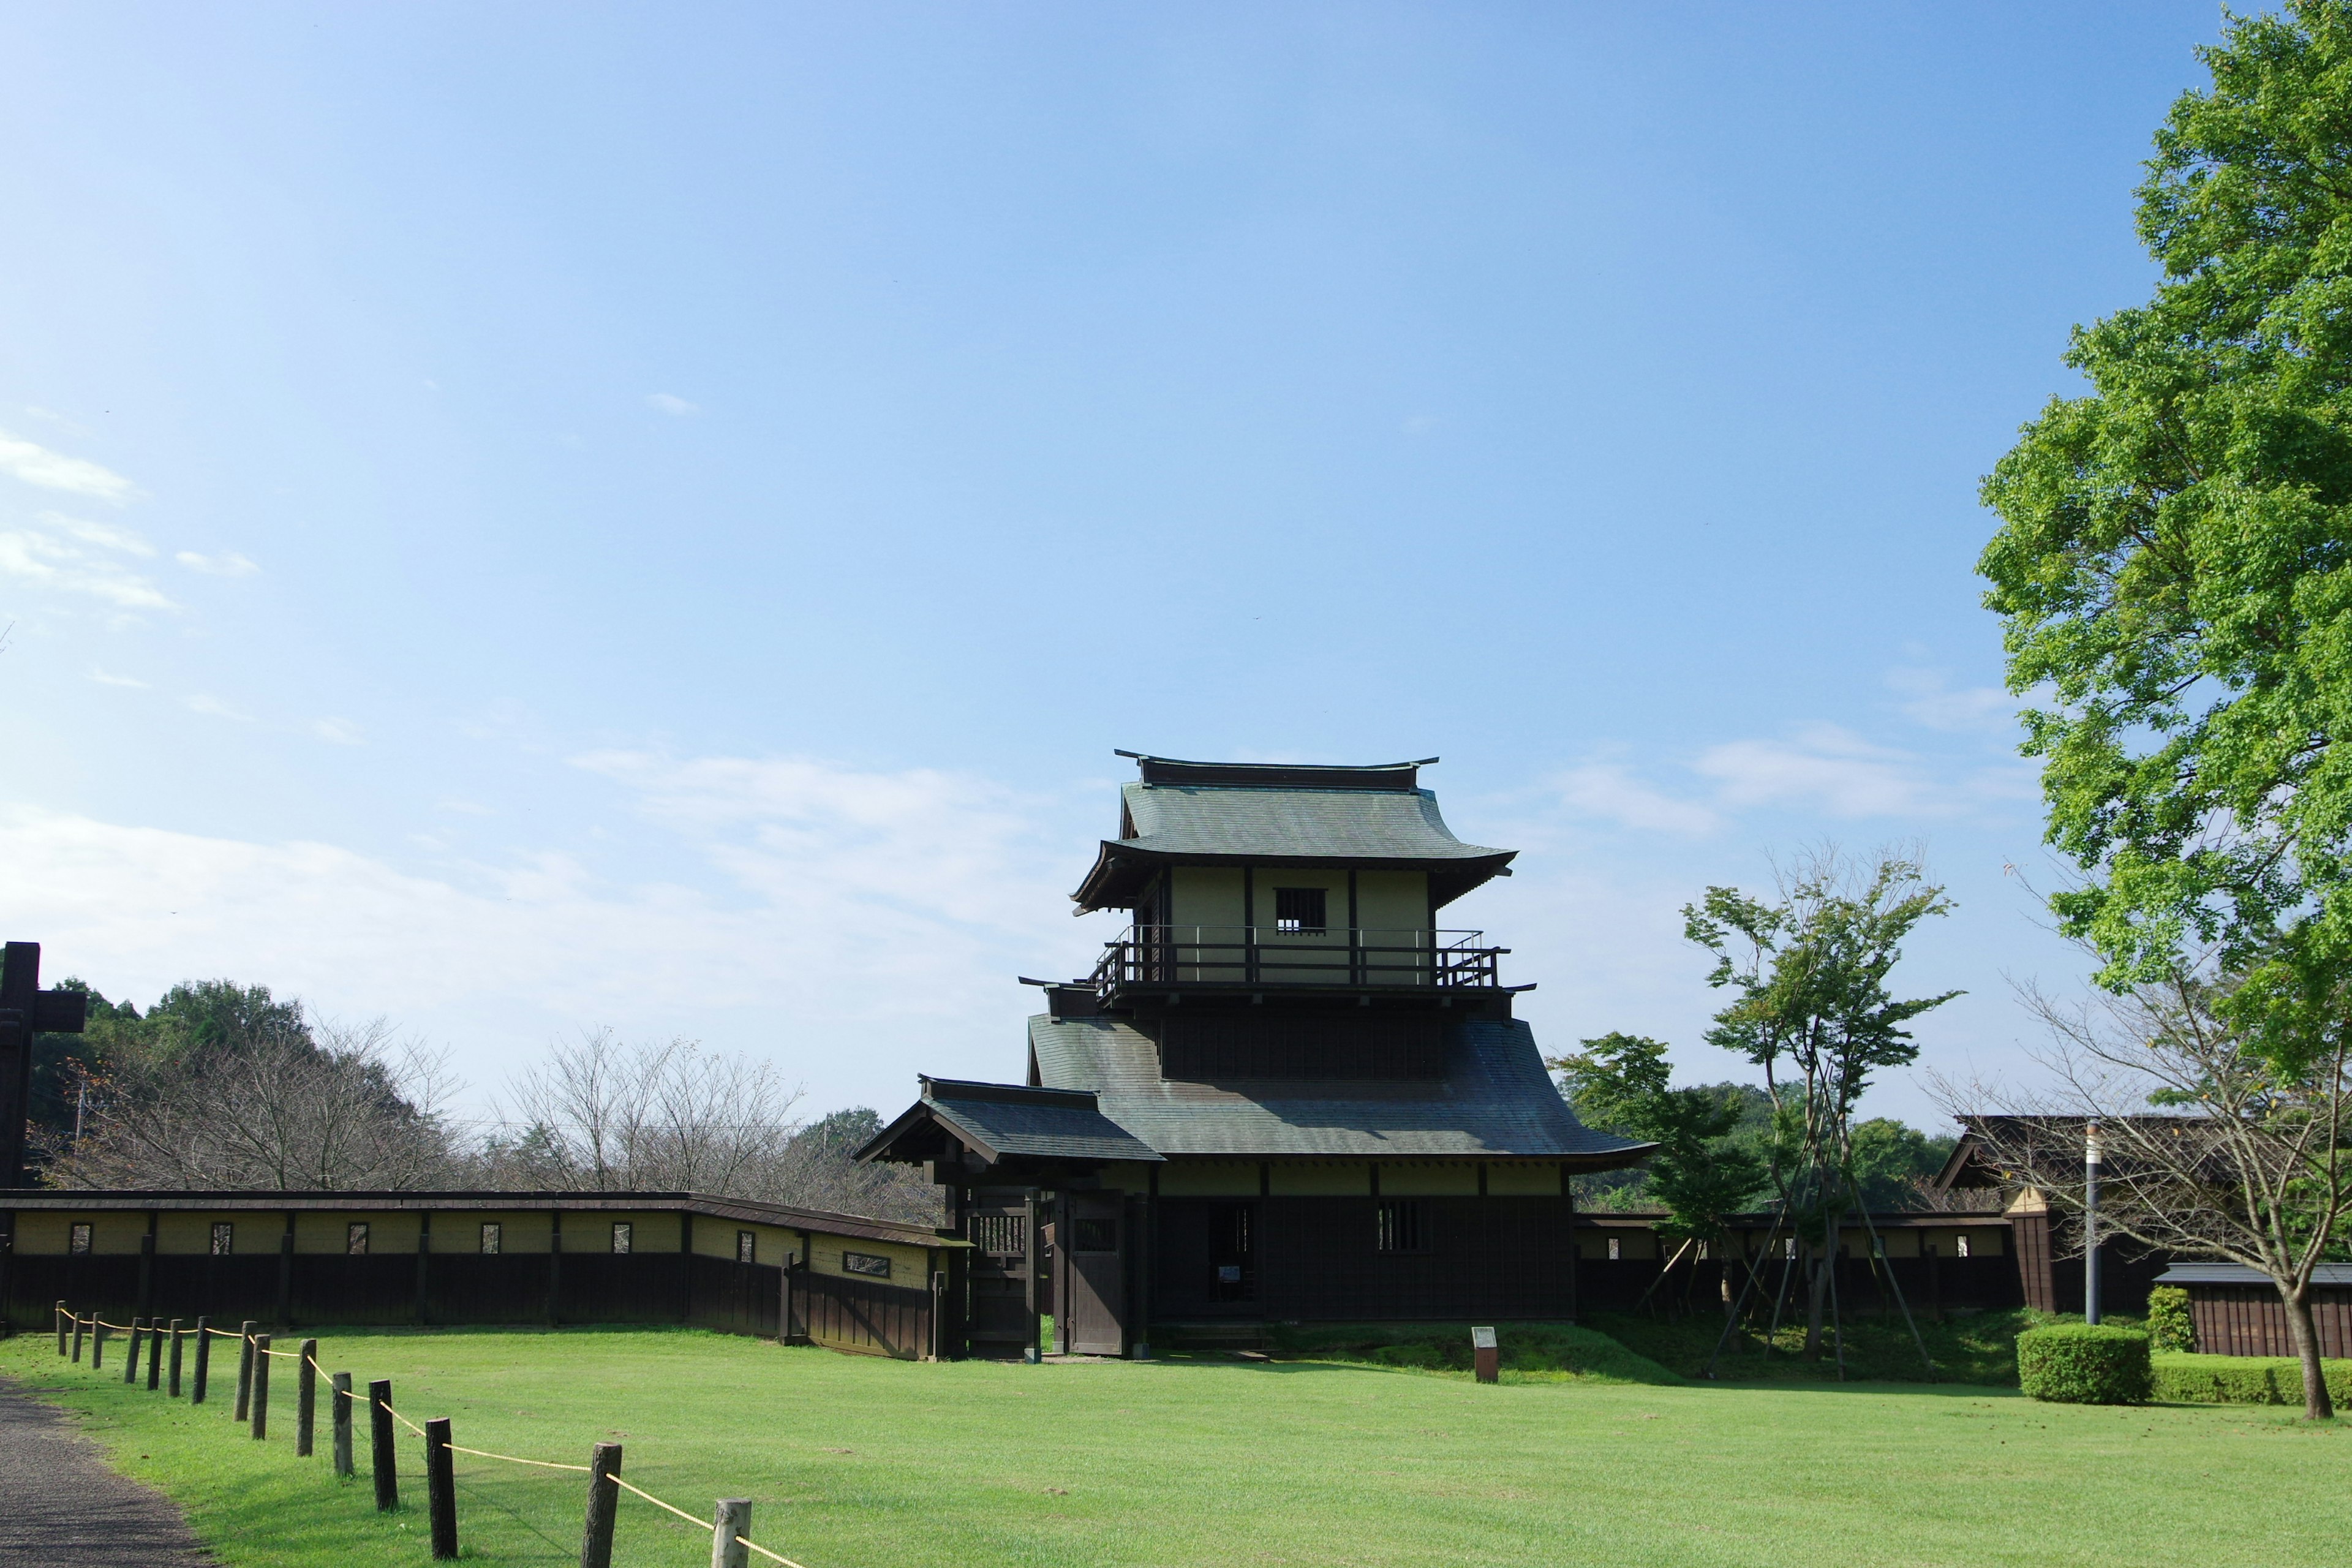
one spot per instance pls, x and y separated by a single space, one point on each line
528 518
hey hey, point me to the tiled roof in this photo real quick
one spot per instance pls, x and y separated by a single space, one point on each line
1047 1124
2330 1274
1495 1101
1317 824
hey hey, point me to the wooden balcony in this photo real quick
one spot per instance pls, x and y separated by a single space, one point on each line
1261 958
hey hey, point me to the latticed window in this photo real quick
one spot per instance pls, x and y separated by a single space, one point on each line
1000 1232
493 1236
747 1246
621 1236
355 1239
1299 910
1616 1249
223 1239
80 1239
1094 1234
1399 1225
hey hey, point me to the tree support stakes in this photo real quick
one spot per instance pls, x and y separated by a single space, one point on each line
260 1386
603 1499
380 1446
341 1397
306 1399
441 1486
203 1359
245 1369
179 1342
732 1519
1741 1305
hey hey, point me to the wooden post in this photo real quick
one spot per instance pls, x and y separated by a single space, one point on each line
179 1337
734 1518
203 1359
380 1446
97 1342
61 1328
260 1386
342 1386
131 1362
154 1355
77 1345
603 1497
440 1487
245 1369
306 1399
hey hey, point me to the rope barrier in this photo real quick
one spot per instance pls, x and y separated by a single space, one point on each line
509 1458
698 1524
744 1541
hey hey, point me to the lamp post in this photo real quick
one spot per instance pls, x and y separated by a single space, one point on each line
2091 1162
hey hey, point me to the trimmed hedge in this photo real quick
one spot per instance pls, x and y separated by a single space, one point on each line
2084 1363
2170 1325
2245 1380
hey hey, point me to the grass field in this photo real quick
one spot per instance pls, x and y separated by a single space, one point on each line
872 1464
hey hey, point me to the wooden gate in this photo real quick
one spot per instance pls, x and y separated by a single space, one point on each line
1005 1275
1093 1268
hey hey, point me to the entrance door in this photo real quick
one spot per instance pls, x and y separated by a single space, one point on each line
1092 1266
1001 1224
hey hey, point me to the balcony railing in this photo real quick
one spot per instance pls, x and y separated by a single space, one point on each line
1270 956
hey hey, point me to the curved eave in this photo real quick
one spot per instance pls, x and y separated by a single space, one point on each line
1120 867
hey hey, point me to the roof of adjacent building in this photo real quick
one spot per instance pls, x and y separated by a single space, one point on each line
1268 815
1012 1119
1494 1102
2239 1274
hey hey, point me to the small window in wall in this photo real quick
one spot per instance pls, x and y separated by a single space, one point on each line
1000 1233
79 1240
873 1265
747 1247
1959 1247
1616 1250
493 1235
223 1239
1398 1226
1094 1233
620 1236
1789 1247
1299 910
355 1239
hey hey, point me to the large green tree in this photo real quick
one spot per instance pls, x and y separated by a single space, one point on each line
2174 567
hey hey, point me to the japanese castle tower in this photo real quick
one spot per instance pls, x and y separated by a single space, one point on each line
1284 1093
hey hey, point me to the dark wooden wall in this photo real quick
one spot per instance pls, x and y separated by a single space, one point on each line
324 1289
2251 1320
1512 1259
1928 1284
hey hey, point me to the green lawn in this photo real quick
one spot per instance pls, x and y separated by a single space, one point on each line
872 1464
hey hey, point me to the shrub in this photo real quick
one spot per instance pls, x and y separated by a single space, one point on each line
2084 1363
2170 1326
2244 1380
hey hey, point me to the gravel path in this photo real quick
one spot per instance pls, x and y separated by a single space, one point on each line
62 1506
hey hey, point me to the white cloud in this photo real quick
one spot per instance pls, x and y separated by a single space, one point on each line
105 678
338 732
1607 790
36 464
672 404
1823 766
42 556
228 565
213 707
105 535
1927 700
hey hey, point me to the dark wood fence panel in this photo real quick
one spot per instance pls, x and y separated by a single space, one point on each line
108 1284
623 1288
477 1288
2251 1320
332 1288
741 1298
860 1315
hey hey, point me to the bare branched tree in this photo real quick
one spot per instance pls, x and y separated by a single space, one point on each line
320 1107
2212 1150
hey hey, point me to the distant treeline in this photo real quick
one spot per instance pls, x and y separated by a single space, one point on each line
222 1085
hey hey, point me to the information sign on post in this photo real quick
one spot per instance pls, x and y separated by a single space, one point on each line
1484 1356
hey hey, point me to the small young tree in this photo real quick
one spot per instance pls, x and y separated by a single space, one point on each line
1813 1011
1620 1082
2210 1148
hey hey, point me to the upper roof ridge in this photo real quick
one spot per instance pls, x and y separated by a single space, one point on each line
1398 777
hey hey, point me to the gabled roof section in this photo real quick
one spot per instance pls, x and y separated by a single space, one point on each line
1001 1120
1235 813
1495 1103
